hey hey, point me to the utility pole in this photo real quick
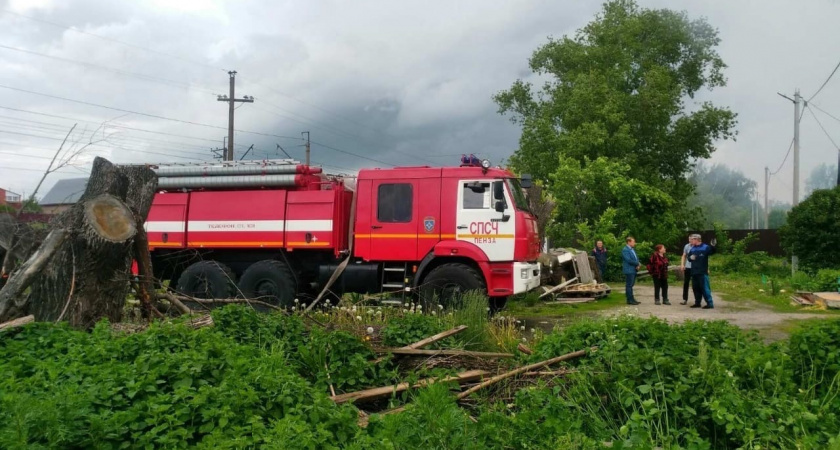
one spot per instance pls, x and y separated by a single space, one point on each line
231 100
307 146
794 260
766 198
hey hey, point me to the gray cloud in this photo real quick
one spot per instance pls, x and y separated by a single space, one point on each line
405 83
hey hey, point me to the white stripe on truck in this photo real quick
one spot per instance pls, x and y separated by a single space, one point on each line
162 226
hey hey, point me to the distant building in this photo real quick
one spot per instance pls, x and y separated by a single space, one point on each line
9 198
64 194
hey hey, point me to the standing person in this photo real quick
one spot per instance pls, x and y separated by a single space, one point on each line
658 269
699 256
630 266
685 267
600 255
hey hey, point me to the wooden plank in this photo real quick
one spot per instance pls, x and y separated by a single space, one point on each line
419 352
435 338
558 287
386 391
571 300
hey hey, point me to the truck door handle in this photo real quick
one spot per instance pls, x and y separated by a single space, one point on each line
375 227
462 227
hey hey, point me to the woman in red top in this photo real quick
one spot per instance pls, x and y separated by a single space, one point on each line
658 269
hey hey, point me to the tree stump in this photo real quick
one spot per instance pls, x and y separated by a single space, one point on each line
87 278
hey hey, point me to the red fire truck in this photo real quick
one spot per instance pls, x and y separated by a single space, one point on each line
278 230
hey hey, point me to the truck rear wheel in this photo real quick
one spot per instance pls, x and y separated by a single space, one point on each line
446 284
269 281
207 280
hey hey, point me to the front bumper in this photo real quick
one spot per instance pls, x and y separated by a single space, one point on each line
526 276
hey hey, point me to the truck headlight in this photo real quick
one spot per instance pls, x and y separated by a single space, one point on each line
523 273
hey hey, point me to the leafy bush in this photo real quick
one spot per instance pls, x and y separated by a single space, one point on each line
410 328
813 230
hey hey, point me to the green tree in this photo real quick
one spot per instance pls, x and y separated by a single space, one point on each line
823 176
724 195
620 90
778 214
813 230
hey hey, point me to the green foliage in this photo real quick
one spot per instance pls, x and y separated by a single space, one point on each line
404 330
825 280
604 229
723 195
724 242
649 384
813 230
616 99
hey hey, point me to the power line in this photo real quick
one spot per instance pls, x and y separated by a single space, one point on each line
154 116
825 82
824 130
785 160
352 154
115 125
823 111
127 44
141 76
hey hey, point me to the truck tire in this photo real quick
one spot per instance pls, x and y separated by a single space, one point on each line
269 281
497 304
446 284
207 280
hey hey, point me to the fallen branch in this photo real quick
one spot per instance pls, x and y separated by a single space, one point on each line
214 301
429 340
435 338
145 284
419 352
385 391
523 369
17 322
555 373
171 298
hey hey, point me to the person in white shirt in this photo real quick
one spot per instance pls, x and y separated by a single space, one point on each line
685 266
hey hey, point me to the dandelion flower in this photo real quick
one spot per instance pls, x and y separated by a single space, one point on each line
359 318
405 305
524 339
297 301
761 290
369 330
522 328
533 330
440 306
782 291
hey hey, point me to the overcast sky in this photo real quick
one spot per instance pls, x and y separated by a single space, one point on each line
400 83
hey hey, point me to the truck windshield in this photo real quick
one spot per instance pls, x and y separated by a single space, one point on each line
517 193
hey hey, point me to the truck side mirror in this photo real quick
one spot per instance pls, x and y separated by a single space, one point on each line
500 206
525 181
498 190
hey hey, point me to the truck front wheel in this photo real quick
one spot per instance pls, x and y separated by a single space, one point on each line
446 285
269 281
207 280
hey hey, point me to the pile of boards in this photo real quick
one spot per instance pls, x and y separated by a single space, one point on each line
824 300
571 277
471 381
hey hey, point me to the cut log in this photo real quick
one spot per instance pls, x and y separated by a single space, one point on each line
12 295
419 352
558 287
17 322
386 391
522 369
102 224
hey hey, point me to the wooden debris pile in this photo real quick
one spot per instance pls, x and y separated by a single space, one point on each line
821 300
573 277
471 381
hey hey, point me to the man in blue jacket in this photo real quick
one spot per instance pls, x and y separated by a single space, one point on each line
699 257
630 266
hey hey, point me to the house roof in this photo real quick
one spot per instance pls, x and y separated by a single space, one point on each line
65 192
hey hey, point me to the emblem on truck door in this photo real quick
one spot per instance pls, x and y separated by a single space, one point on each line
429 224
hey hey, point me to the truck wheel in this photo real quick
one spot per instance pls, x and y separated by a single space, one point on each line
446 284
206 280
497 304
269 281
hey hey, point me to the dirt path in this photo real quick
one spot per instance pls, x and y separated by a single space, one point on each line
748 315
